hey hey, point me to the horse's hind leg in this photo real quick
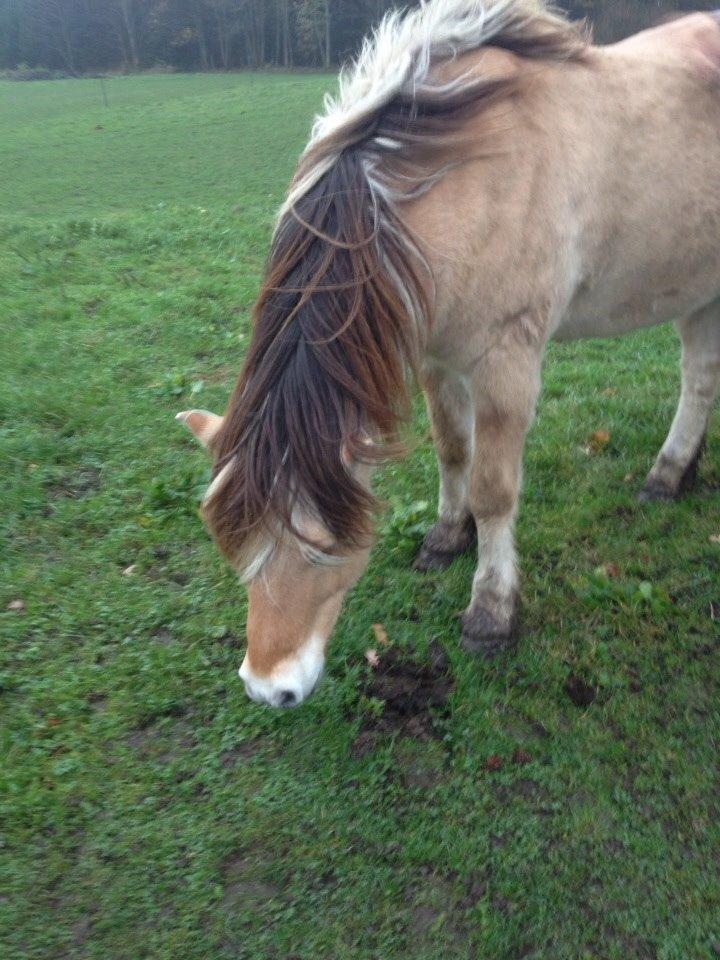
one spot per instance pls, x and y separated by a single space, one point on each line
452 415
675 469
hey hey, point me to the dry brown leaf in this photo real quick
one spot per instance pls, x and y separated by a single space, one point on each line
598 440
493 762
372 658
381 636
17 605
715 538
609 392
129 571
609 570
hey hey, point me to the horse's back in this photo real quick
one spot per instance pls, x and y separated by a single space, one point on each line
602 197
650 231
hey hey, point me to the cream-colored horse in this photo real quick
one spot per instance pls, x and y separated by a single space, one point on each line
485 181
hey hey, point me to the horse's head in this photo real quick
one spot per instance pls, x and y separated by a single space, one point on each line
296 586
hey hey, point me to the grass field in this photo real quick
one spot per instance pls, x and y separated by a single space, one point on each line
566 803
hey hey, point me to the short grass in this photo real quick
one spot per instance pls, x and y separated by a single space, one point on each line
148 810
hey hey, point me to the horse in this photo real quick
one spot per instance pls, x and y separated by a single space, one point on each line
484 180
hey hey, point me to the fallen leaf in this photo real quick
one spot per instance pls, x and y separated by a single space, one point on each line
17 605
715 538
129 571
628 478
372 658
380 634
521 756
598 440
609 392
609 570
493 762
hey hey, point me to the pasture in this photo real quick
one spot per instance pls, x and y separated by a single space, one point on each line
560 803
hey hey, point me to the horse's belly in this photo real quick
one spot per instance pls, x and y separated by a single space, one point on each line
652 299
614 320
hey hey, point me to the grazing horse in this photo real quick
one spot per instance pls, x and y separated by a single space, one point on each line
486 179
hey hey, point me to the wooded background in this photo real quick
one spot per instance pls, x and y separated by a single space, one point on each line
80 36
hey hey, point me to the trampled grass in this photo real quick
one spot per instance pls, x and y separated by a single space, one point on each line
148 810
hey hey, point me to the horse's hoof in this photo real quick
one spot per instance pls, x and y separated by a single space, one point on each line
429 559
656 490
443 542
485 635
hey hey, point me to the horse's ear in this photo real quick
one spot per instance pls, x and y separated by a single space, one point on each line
203 424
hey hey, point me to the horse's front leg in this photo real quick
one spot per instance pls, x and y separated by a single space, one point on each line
507 389
452 415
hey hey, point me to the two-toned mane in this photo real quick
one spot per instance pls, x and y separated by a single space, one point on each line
344 309
454 209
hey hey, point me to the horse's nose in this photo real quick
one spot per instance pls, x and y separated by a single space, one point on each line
251 693
287 698
289 682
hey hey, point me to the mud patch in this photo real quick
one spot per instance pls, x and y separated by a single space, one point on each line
76 485
436 915
162 636
245 885
97 701
419 766
242 752
580 691
412 696
161 742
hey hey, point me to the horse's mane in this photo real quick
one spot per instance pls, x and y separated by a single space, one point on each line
339 321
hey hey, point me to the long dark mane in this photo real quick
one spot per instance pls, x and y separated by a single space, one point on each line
345 303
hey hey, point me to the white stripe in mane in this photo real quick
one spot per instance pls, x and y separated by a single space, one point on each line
397 59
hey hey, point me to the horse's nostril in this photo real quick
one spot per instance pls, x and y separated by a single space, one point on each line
287 699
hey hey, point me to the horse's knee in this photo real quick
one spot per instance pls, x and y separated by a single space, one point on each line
492 497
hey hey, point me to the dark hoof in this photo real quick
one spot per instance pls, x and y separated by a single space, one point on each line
428 559
443 542
688 481
485 635
656 490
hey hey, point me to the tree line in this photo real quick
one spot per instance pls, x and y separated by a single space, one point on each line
81 36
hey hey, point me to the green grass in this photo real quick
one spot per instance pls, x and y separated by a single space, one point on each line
147 809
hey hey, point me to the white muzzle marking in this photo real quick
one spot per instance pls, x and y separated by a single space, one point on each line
291 681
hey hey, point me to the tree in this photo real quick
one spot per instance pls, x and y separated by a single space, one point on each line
78 35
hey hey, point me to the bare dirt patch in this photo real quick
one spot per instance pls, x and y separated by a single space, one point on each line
413 696
580 691
242 752
75 485
245 884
